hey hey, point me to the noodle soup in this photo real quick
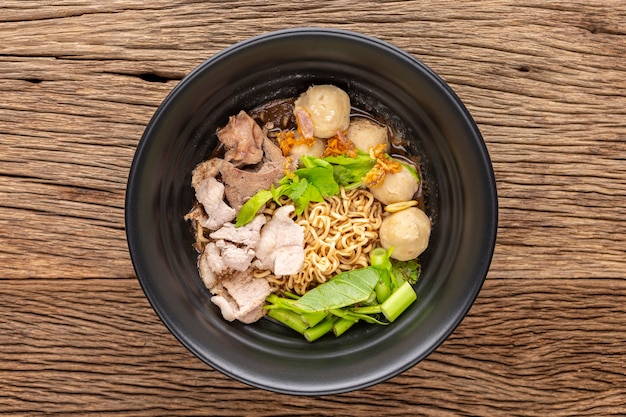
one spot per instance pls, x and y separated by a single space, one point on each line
301 192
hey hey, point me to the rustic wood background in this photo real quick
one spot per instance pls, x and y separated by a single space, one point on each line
546 83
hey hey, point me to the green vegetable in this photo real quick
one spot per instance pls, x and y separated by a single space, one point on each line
375 309
348 298
288 318
349 172
302 193
348 313
320 329
321 178
313 318
398 301
347 288
362 161
311 161
383 287
406 270
342 325
381 260
318 179
252 206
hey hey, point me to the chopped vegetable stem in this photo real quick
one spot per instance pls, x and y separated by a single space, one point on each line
319 330
291 295
375 309
279 302
313 318
288 318
383 287
367 294
342 325
379 258
398 301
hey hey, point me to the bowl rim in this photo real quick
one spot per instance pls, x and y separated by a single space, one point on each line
482 269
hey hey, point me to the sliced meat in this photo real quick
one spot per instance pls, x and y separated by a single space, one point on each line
243 139
248 235
272 153
232 248
241 297
235 257
225 270
210 264
205 170
212 211
237 293
210 193
242 184
281 247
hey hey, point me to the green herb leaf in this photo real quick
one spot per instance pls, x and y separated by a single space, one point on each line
318 179
297 192
279 191
311 161
252 206
345 289
296 189
344 176
349 172
302 193
321 178
361 158
406 270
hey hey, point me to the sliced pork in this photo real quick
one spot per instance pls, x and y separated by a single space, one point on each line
243 139
210 264
205 170
232 248
210 193
241 184
281 247
224 267
235 257
248 235
241 297
251 162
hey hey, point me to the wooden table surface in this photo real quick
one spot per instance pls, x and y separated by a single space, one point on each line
546 84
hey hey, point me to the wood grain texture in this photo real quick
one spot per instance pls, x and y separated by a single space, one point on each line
546 83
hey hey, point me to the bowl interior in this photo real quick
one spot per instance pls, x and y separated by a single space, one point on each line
460 197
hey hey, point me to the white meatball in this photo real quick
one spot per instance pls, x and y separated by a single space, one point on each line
396 187
407 231
316 150
365 134
328 107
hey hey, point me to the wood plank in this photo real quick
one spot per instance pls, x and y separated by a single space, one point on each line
127 362
546 83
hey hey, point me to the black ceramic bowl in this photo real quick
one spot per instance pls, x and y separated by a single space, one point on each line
382 79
